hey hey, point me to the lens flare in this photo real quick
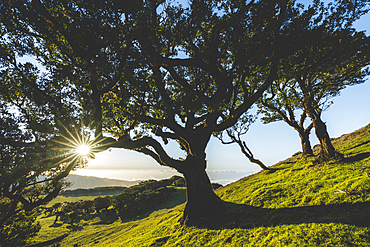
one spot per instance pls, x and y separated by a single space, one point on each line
79 144
83 149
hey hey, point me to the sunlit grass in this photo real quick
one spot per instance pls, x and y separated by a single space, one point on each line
297 205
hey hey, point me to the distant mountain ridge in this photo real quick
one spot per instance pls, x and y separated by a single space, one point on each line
87 182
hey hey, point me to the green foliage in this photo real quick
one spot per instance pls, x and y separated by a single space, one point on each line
18 229
101 203
144 71
326 58
30 172
142 198
40 126
131 203
118 67
32 167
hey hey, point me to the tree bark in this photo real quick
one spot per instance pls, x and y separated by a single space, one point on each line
247 152
305 142
327 151
289 118
327 148
203 206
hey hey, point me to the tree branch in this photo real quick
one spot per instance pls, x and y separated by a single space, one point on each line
140 145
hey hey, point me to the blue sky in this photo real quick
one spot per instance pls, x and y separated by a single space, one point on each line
270 143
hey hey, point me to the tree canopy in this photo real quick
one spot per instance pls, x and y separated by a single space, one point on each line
329 55
141 73
121 68
37 131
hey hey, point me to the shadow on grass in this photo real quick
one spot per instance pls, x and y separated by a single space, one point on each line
56 225
357 157
244 216
297 169
361 144
271 170
50 242
75 228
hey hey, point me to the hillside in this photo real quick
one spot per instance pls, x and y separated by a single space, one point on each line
298 204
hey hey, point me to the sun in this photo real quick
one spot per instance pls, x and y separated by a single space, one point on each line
83 149
79 145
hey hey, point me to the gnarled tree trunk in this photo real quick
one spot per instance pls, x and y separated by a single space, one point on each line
203 206
327 149
305 142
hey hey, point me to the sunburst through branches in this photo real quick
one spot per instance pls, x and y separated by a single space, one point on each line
83 150
78 145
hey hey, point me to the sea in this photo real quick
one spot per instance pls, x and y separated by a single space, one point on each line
216 176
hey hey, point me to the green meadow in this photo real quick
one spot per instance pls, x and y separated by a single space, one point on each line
299 203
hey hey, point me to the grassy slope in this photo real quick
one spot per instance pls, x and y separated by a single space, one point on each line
297 205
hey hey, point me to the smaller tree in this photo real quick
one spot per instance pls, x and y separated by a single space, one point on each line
235 132
87 206
328 55
281 104
101 203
